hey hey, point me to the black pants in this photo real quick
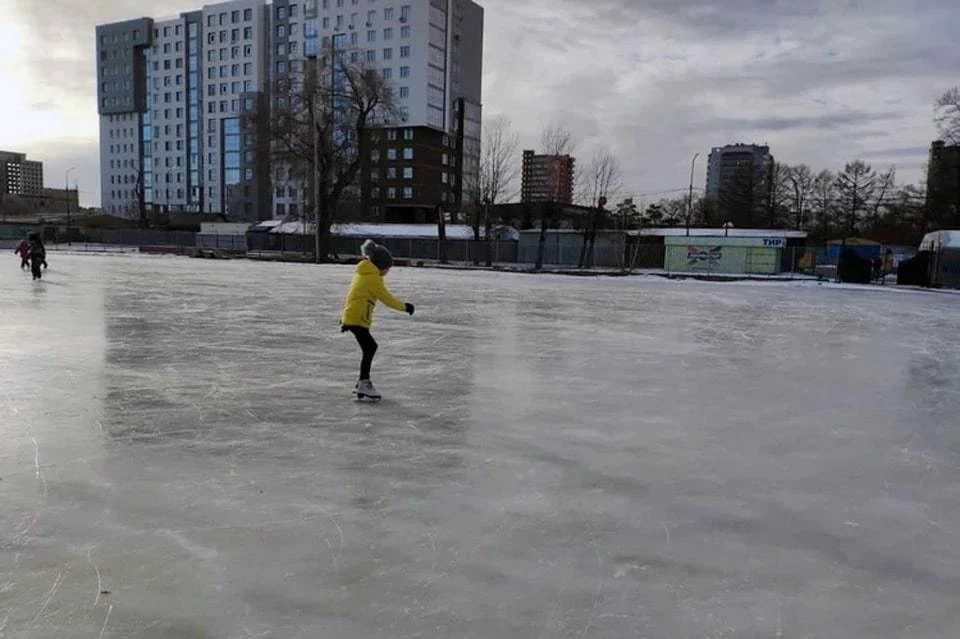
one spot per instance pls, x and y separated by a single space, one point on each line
369 346
35 267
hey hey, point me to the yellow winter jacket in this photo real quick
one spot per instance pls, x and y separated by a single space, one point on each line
366 288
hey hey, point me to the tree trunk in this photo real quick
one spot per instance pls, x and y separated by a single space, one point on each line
476 236
488 244
542 243
441 236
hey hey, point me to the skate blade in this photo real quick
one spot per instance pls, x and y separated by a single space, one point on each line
370 398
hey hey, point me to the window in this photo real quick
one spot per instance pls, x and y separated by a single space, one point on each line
248 14
404 52
388 33
392 135
405 13
281 13
408 193
375 193
391 193
388 74
247 33
404 32
404 72
281 30
404 92
371 55
326 23
281 67
293 11
375 155
374 175
371 16
388 54
388 13
408 134
408 173
392 173
408 153
371 36
391 154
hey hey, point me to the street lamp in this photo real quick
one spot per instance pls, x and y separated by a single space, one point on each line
693 164
66 193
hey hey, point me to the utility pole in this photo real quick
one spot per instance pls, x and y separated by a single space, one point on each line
693 165
66 192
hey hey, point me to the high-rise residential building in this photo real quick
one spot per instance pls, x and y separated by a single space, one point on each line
547 178
727 164
430 52
18 175
943 183
176 96
173 95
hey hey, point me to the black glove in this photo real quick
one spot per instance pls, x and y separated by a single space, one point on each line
409 308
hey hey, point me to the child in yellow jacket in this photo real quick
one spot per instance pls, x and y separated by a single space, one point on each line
366 289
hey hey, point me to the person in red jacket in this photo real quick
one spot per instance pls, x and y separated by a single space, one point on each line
23 250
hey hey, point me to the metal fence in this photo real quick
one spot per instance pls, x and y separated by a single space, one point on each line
414 249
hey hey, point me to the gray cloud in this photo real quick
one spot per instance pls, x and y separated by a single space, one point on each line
822 81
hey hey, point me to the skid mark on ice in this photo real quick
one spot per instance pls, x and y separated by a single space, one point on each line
96 568
106 621
48 598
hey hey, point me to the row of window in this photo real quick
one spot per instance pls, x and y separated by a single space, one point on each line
232 53
392 153
234 18
388 13
234 69
122 133
392 193
393 174
232 36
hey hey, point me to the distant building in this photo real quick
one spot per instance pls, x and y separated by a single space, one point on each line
18 175
943 183
727 163
547 178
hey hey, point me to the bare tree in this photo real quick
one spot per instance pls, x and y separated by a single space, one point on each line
498 174
603 182
856 186
320 130
555 140
886 183
947 115
778 188
823 197
800 181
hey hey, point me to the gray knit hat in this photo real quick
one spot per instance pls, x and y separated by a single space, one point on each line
377 254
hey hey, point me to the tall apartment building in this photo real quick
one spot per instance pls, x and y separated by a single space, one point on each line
18 175
943 183
430 52
174 94
726 163
172 97
547 178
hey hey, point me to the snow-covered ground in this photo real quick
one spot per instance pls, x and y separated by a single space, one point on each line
555 457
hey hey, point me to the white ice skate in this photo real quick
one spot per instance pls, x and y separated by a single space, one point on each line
366 390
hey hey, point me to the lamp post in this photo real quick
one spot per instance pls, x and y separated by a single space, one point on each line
66 192
693 164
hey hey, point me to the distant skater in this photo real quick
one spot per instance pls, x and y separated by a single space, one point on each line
38 256
23 250
366 289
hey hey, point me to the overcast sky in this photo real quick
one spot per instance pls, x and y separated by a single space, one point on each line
821 81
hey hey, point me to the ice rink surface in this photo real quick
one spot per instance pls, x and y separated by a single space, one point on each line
180 456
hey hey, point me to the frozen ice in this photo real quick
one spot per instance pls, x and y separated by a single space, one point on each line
180 456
